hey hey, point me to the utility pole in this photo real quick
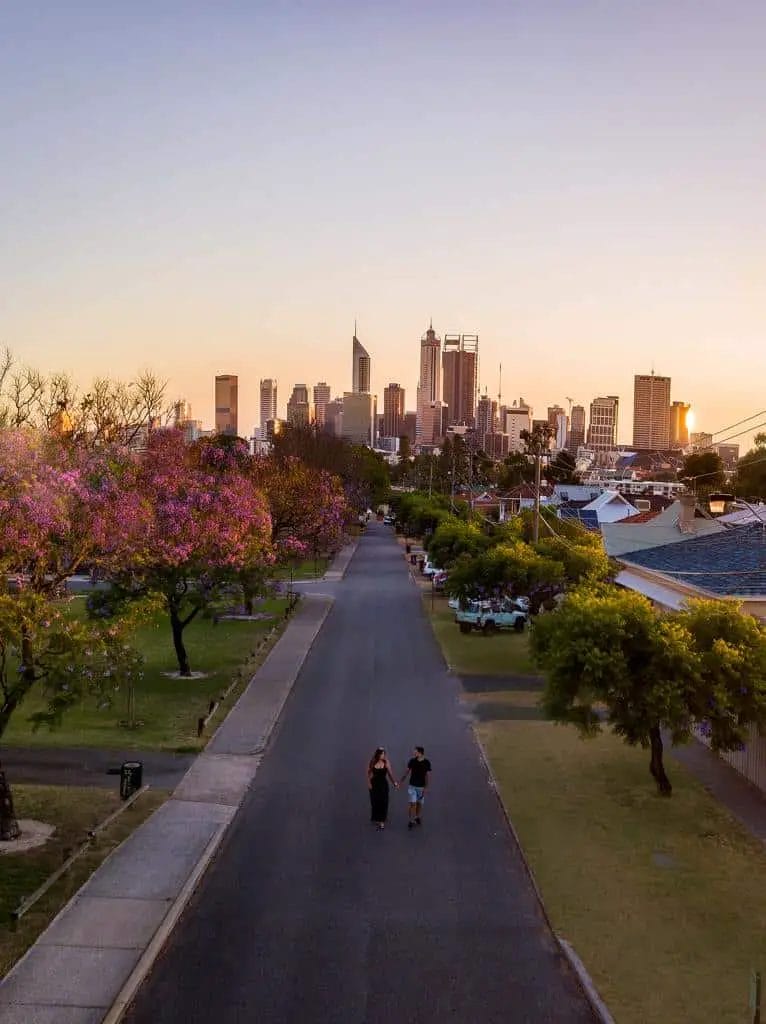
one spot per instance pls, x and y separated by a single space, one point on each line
538 468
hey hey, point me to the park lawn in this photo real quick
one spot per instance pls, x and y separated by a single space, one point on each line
500 654
308 569
664 900
167 708
73 811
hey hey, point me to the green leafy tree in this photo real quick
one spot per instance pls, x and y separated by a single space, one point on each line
607 648
514 470
704 471
512 568
563 469
750 480
454 537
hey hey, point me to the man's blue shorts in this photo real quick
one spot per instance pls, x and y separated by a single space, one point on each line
416 794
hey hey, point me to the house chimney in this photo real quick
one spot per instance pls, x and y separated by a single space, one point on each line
686 513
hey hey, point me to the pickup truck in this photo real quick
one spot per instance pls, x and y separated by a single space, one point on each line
489 617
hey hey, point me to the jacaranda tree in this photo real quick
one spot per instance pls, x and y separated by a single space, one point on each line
199 521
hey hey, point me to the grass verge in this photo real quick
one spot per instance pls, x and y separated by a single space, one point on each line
309 569
501 654
167 709
664 900
73 811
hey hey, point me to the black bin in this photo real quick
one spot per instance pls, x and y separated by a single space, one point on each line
413 559
131 778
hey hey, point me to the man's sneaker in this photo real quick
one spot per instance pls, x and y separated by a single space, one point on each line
418 821
410 824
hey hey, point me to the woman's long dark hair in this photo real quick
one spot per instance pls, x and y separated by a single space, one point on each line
376 757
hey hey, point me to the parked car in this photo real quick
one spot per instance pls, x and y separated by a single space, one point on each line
491 616
429 569
439 579
389 520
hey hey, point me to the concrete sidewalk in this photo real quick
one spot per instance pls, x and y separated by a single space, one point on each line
341 562
85 967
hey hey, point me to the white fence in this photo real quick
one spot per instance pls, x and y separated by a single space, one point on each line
750 762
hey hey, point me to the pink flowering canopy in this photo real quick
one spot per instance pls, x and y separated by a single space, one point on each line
193 518
61 507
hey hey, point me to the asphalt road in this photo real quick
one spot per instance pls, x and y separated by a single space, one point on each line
88 766
308 914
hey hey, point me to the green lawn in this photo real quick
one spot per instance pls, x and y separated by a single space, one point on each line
309 569
664 900
475 654
168 708
73 811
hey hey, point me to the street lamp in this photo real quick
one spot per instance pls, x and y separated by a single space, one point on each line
717 502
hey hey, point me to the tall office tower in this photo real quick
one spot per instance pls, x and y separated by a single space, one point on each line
299 411
333 418
360 410
360 369
429 386
651 411
679 428
182 412
602 431
561 434
554 411
226 399
321 399
410 426
486 411
576 438
393 410
515 419
268 402
460 369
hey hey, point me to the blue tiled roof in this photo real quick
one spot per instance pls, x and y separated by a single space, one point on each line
727 563
588 517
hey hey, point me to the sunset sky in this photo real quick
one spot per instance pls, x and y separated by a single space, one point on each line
224 187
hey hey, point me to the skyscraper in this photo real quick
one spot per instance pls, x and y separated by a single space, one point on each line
268 402
486 411
460 367
226 400
429 387
679 428
360 369
515 419
321 399
299 411
602 431
651 411
576 437
393 410
359 413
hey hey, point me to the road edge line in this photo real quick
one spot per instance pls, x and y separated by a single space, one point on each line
584 980
146 961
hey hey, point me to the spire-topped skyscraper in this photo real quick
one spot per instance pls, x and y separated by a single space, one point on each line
429 388
360 369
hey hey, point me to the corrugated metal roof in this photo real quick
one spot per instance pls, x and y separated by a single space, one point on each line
732 563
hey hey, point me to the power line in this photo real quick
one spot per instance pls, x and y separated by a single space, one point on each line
725 430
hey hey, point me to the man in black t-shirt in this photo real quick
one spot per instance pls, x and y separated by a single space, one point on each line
418 769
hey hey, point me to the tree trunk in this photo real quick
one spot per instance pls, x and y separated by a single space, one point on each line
656 765
27 657
9 827
248 599
177 627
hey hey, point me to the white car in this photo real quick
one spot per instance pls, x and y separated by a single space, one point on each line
429 569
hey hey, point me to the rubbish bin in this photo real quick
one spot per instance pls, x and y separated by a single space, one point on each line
131 778
408 548
413 559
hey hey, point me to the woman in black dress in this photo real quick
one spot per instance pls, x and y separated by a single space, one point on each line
378 774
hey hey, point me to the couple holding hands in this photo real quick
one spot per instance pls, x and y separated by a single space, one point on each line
378 775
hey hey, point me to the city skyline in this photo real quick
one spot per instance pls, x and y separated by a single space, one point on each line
170 221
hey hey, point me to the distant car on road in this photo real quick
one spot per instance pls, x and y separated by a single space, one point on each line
389 520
